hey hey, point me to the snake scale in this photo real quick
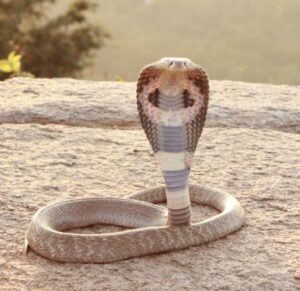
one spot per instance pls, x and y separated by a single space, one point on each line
172 101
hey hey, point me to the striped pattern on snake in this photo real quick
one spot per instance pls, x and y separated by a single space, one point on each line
172 98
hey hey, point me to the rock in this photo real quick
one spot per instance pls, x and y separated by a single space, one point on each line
98 104
63 138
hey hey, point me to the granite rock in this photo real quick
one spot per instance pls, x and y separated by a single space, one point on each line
64 138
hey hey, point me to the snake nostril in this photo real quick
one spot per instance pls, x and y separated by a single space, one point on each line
171 63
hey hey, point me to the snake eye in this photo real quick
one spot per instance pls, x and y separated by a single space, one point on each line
171 63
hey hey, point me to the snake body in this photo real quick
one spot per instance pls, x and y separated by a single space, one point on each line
172 100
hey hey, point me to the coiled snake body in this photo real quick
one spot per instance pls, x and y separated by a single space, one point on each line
172 99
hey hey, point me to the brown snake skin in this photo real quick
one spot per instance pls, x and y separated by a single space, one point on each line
172 99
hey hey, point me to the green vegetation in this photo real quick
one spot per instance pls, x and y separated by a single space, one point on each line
11 65
50 47
255 41
247 40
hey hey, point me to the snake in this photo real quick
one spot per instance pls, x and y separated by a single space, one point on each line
172 102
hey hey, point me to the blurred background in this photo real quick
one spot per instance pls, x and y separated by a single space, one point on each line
245 40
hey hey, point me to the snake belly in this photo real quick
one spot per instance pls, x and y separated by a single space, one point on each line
172 99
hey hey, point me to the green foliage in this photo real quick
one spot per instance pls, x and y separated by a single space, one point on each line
12 64
50 46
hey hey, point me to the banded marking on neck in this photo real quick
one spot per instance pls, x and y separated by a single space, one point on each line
172 159
172 107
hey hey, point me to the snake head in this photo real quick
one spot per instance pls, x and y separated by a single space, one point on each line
173 92
173 64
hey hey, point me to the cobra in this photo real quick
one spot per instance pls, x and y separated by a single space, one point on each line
172 100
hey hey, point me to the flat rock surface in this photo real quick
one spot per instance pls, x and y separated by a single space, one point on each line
63 138
94 104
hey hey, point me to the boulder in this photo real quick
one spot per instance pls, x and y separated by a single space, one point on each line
65 138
